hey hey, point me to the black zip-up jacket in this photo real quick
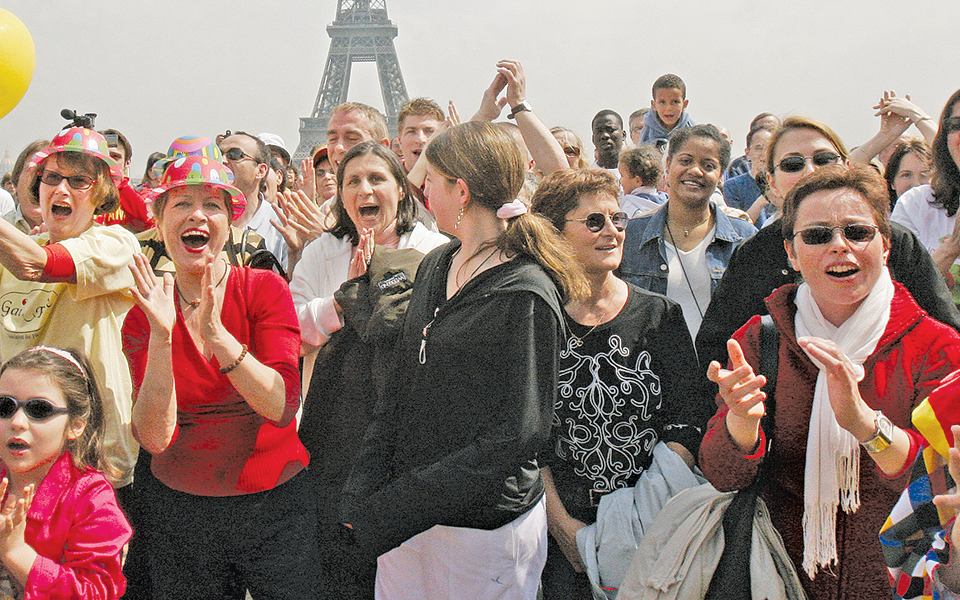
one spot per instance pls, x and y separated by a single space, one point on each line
456 442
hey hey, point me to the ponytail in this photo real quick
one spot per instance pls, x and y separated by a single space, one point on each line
534 236
488 159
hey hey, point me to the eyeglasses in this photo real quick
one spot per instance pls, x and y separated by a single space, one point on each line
857 233
951 124
794 164
36 409
236 155
595 222
77 182
571 151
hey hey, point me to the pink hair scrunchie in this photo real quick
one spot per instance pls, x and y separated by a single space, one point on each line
512 209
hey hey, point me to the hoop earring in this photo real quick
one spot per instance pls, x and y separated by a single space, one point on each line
459 218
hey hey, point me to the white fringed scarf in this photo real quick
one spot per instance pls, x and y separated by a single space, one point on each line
832 472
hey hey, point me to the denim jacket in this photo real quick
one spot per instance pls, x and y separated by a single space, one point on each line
645 258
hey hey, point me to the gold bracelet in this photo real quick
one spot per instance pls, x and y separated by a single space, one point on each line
236 363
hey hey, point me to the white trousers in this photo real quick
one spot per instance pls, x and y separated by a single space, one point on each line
458 563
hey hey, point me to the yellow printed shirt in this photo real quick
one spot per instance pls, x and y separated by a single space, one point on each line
87 316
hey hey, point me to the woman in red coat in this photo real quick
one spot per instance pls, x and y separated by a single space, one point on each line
856 356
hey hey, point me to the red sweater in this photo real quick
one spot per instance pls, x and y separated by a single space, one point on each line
221 446
132 212
914 353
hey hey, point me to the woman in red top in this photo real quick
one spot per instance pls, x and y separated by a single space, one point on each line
213 352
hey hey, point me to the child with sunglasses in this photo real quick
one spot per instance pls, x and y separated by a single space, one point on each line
61 530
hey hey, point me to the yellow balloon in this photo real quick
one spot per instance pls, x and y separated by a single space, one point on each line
17 58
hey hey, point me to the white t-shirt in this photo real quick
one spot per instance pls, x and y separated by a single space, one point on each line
915 212
688 280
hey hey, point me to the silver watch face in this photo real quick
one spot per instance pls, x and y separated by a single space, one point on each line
884 427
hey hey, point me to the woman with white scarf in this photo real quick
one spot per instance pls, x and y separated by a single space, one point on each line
856 355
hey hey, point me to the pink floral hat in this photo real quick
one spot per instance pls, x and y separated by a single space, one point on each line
200 170
79 139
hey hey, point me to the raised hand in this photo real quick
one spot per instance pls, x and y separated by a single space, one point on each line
491 104
211 303
307 181
361 254
156 297
741 390
852 413
512 71
13 516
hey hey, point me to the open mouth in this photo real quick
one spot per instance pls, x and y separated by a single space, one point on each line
841 272
61 210
369 212
195 239
17 445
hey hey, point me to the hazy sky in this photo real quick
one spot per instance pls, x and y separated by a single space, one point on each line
158 70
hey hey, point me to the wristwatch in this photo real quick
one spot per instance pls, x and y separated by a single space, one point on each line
882 438
519 108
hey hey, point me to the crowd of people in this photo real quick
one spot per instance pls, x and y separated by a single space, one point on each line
445 365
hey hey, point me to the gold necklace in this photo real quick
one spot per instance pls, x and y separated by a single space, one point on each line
576 342
687 230
196 303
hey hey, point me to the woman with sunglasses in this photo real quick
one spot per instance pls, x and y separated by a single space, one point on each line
760 265
68 287
628 376
930 211
856 355
572 146
446 490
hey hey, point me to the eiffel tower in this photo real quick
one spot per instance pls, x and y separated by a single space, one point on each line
361 33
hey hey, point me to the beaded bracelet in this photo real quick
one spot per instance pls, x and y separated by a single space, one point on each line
236 363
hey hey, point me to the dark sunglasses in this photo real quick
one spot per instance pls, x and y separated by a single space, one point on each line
951 124
77 182
36 409
794 164
596 221
571 151
815 236
236 155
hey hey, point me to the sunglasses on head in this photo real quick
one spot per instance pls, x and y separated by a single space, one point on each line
794 164
951 124
821 234
236 155
596 221
77 182
36 409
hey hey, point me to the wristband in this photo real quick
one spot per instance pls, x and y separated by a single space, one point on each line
59 265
